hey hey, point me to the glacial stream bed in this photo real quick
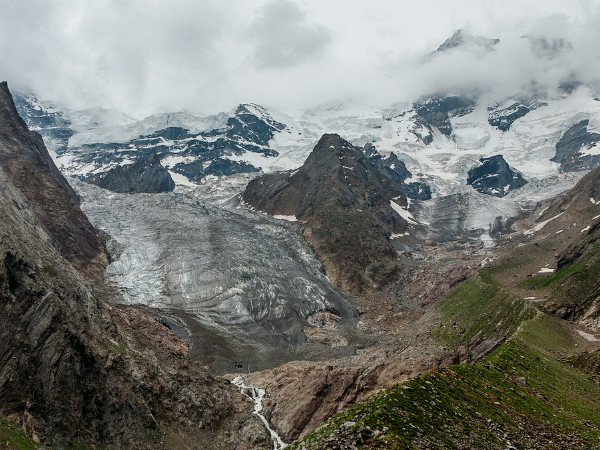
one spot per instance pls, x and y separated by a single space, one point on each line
238 285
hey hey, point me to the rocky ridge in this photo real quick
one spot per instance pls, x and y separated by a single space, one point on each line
76 370
396 170
576 149
348 209
26 161
494 177
143 176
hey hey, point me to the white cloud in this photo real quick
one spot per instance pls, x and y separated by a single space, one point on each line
284 37
145 56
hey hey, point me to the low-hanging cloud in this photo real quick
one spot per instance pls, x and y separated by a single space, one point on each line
284 37
146 56
550 55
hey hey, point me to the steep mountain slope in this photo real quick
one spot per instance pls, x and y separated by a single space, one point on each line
349 210
76 371
494 177
144 175
515 397
566 236
24 158
510 400
578 149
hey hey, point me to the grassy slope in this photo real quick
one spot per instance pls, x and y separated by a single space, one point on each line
525 393
574 287
13 439
479 309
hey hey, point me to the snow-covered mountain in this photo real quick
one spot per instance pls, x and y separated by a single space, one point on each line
469 162
439 138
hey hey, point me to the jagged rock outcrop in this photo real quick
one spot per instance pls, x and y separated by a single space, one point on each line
51 124
76 371
436 111
572 146
247 126
462 38
26 162
143 176
396 170
502 116
197 170
347 207
494 177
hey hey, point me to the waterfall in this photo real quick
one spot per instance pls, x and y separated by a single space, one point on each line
257 395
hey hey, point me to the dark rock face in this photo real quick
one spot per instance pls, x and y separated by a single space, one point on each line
75 371
142 176
570 147
345 204
246 126
396 170
494 177
26 162
50 124
503 119
461 38
245 131
436 111
196 170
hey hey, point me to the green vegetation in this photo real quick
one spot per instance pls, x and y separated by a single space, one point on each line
50 271
480 308
13 439
520 394
529 392
544 281
575 285
119 349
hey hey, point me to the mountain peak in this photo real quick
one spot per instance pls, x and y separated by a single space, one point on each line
462 38
23 153
345 203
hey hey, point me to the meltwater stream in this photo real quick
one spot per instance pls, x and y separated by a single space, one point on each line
257 395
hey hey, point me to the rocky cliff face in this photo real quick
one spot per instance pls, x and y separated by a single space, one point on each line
143 176
396 170
494 177
349 210
75 370
502 116
576 149
436 112
570 226
26 162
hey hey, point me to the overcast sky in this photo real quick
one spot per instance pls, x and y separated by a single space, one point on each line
145 56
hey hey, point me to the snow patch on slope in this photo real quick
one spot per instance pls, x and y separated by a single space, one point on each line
541 225
405 214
